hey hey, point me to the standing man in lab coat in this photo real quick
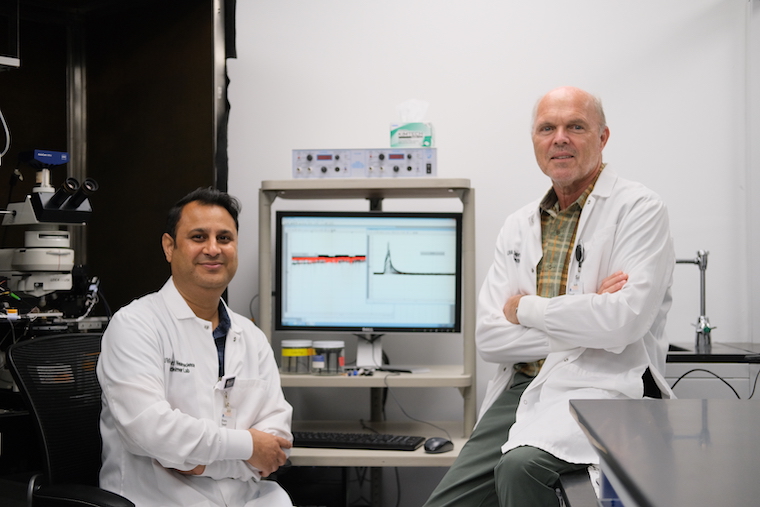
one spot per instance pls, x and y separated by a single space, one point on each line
193 413
573 307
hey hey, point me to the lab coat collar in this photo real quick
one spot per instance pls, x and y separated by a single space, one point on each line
175 302
181 310
605 183
602 188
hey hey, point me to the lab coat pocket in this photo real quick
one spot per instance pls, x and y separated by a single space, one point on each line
249 398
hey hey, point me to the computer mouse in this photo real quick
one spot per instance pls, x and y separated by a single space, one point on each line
435 445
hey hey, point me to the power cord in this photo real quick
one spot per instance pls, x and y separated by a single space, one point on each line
389 390
754 385
714 375
7 136
361 479
250 307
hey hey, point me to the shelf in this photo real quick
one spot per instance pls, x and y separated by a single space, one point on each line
364 188
459 376
304 456
438 376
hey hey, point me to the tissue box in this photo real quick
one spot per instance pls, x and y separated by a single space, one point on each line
412 135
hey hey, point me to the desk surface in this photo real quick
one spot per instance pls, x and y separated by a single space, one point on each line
733 352
672 453
435 376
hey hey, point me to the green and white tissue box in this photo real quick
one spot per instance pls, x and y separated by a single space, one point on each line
412 135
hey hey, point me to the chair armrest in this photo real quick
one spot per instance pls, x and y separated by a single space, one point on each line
65 495
576 489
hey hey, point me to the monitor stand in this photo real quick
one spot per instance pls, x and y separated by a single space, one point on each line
369 351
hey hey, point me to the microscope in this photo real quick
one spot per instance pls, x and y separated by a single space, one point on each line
45 263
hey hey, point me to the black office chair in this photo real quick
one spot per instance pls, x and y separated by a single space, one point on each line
56 377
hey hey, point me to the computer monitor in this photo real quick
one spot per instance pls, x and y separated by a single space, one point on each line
368 273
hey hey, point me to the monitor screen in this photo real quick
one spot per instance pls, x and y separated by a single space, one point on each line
368 272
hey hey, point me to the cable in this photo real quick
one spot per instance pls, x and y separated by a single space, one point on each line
250 307
361 478
102 298
711 373
385 380
398 487
365 427
385 360
91 299
754 385
7 135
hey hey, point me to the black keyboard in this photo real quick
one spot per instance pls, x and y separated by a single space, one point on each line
370 441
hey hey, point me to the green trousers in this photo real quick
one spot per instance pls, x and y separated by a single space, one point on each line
484 477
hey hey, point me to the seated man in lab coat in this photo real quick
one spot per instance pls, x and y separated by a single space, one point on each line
573 307
193 413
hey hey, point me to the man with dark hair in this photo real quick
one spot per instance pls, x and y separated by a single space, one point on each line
573 307
193 412
208 196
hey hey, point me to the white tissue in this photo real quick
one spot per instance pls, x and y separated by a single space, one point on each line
412 111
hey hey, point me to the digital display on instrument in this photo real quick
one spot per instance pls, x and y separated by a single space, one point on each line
396 156
324 157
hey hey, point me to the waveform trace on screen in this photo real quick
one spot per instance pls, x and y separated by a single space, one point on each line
327 259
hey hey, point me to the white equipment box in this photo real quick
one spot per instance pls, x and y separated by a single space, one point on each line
365 163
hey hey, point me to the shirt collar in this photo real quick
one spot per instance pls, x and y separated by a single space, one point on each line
224 321
550 202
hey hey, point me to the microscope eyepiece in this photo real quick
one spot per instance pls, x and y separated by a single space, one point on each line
69 187
89 186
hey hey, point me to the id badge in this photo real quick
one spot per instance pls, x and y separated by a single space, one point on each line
228 418
226 384
575 288
228 413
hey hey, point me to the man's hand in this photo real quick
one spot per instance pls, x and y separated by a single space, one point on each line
195 471
510 308
613 283
268 453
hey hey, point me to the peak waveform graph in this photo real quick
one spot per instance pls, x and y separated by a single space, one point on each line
412 268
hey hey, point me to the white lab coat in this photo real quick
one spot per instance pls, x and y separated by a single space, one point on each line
596 346
163 407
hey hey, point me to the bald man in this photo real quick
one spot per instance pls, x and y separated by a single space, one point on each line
573 307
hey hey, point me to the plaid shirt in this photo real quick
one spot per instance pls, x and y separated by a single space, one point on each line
558 228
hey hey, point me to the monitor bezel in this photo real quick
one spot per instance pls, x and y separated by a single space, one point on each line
277 291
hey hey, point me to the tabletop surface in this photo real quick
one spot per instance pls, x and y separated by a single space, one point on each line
671 453
732 352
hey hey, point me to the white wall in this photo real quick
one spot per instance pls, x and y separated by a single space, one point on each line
673 76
